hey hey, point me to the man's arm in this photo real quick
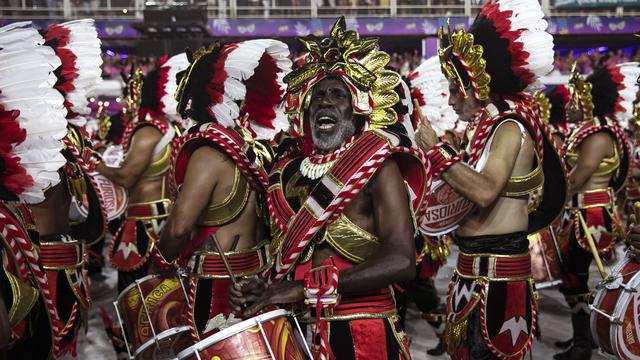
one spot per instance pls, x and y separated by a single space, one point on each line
396 256
393 262
199 182
592 150
137 160
484 187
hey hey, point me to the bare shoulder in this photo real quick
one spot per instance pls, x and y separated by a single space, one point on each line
146 136
388 174
211 157
601 138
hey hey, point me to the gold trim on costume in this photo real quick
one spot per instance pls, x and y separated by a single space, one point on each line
160 166
460 45
258 248
525 184
24 298
228 209
350 240
580 92
581 205
607 165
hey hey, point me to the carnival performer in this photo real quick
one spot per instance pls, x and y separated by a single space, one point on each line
32 128
72 216
508 169
219 172
342 197
598 154
147 145
44 253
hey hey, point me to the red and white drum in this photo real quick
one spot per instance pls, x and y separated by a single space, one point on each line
615 312
114 196
153 311
446 208
266 336
546 263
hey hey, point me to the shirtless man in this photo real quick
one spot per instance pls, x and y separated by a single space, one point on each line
343 268
219 196
511 174
598 155
147 143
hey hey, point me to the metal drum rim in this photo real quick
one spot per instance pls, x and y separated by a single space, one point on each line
619 309
162 335
231 330
133 284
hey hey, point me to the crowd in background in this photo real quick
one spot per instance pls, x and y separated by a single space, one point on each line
405 62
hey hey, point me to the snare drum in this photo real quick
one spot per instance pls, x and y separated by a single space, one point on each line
615 324
546 264
266 336
114 196
152 311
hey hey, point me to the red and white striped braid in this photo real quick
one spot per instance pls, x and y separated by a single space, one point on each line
321 291
472 79
88 170
176 145
131 128
190 303
18 240
348 192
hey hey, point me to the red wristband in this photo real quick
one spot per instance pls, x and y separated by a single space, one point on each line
442 156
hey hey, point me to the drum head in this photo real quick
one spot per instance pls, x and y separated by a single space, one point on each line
445 210
231 331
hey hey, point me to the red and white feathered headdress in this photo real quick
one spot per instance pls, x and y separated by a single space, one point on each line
77 45
32 115
238 85
430 89
505 51
169 84
626 76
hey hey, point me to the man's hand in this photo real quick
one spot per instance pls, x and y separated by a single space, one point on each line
255 293
633 237
425 136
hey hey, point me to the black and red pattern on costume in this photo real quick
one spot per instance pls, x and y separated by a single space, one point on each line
597 208
328 199
135 238
207 295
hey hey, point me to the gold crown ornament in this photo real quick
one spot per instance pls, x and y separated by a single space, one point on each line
104 120
544 106
580 92
182 94
356 61
134 94
459 46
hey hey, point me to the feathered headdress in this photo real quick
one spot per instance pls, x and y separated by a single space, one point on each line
358 63
77 45
32 115
505 51
169 84
613 91
239 85
430 89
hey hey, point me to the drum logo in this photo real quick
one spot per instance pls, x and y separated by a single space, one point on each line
446 208
156 297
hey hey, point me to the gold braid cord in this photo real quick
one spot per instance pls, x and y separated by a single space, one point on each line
459 46
544 106
134 94
580 93
358 63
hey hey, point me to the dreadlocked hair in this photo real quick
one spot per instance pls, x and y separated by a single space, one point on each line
604 92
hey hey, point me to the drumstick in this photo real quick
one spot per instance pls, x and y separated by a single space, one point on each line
224 258
213 237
